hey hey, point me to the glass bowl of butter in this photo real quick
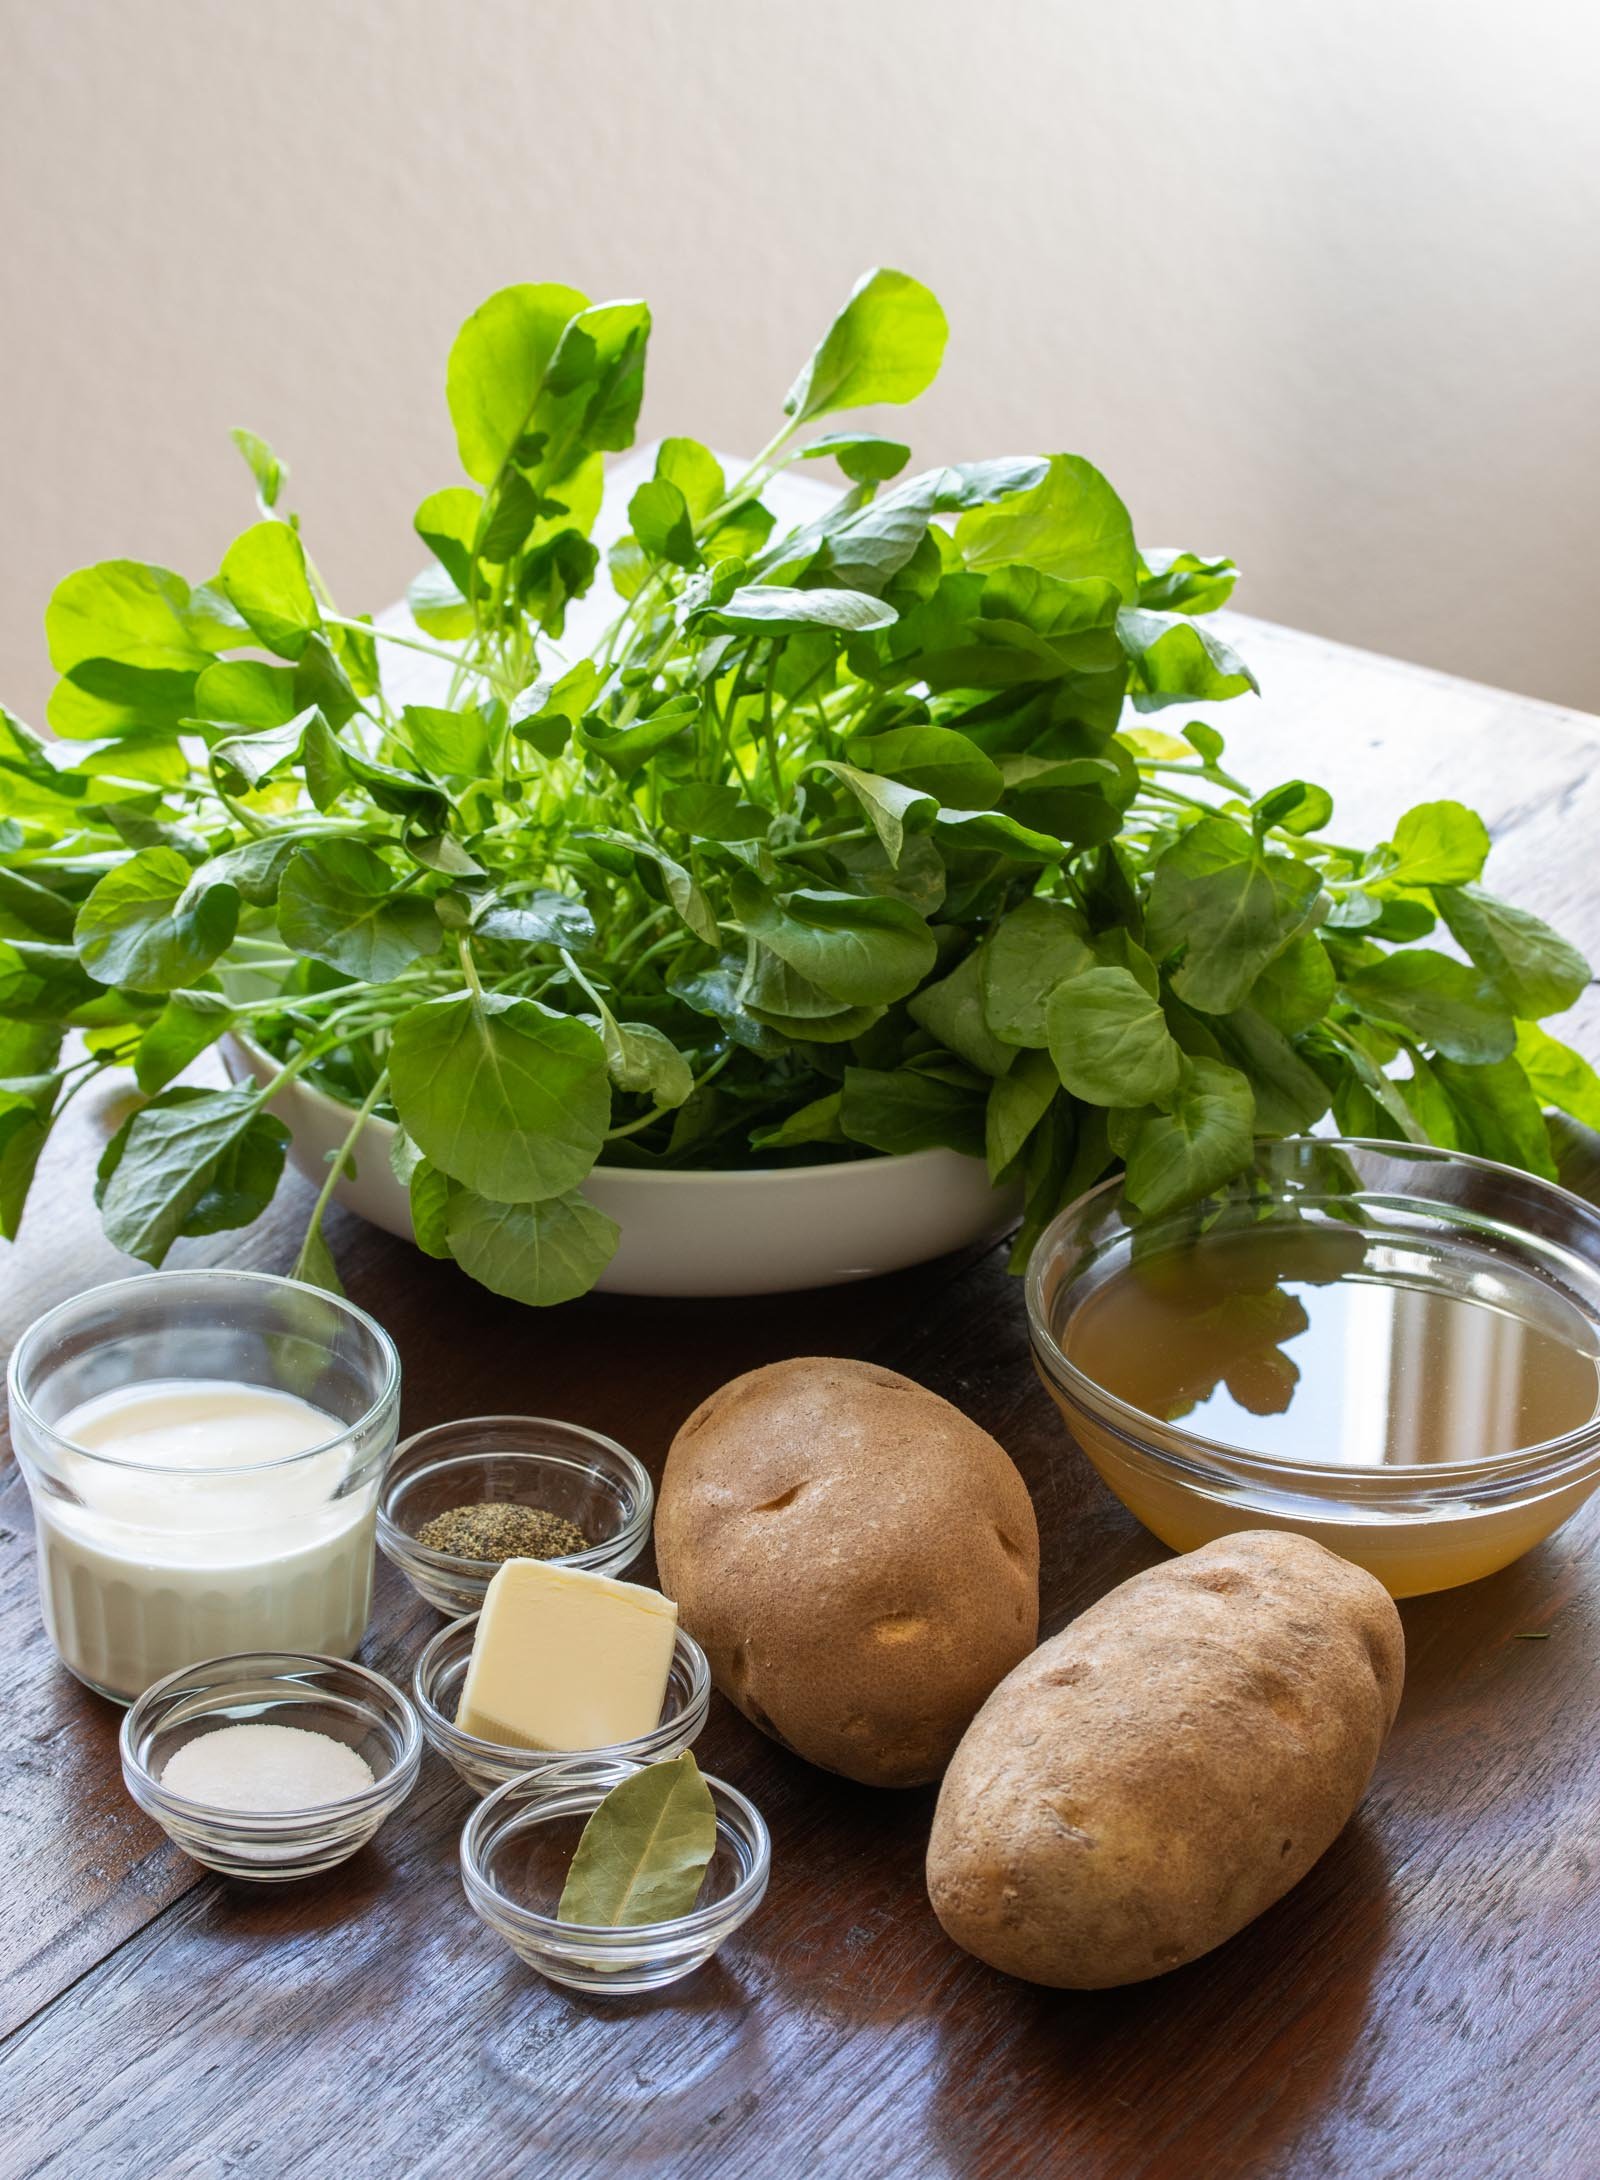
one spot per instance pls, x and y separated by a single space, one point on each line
485 1763
517 1847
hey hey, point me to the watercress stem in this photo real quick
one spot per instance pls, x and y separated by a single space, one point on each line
393 635
469 968
336 1164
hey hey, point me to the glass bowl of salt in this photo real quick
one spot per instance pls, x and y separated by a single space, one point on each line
271 1765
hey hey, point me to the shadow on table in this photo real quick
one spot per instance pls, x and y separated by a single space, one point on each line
635 2072
1231 2056
1452 1634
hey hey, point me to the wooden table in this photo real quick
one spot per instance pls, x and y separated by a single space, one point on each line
1425 2004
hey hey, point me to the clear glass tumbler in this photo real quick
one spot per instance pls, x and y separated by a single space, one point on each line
147 1565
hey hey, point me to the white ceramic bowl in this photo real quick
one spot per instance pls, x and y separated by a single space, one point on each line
764 1231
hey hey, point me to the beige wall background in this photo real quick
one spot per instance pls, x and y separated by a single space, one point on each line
1316 285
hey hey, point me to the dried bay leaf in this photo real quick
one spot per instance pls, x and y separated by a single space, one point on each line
644 1851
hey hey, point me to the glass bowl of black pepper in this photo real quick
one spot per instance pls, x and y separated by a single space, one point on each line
461 1498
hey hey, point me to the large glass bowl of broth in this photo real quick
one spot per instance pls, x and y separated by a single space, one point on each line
1389 1348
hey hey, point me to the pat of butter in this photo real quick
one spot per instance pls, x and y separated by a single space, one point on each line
566 1660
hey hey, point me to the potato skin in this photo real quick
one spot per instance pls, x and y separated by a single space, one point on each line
858 1559
1166 1767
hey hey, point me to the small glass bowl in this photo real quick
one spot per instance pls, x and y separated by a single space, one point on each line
521 1460
275 1688
442 1668
518 1844
1436 1218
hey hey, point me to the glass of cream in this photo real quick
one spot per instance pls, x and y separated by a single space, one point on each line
203 1451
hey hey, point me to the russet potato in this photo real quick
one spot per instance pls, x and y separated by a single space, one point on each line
858 1559
1168 1765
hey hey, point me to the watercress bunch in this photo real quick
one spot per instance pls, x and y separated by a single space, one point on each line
841 841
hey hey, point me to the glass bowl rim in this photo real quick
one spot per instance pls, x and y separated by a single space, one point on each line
274 1280
407 1545
1137 1423
474 1749
580 1771
396 1781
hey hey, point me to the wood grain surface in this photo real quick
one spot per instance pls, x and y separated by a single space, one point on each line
1426 2003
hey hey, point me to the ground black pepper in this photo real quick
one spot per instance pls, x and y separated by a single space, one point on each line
499 1530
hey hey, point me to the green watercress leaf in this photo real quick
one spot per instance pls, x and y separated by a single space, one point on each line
953 1011
1298 806
642 1058
541 917
770 609
153 923
892 809
1070 525
189 1024
1438 844
448 523
1291 1097
1175 1158
1177 661
1182 582
314 1264
242 762
453 744
934 761
429 1191
1036 949
696 474
864 457
1228 907
242 1181
994 832
1297 987
1439 1001
1533 969
268 472
502 1094
886 345
1018 1101
127 611
907 1109
1109 1040
1557 1075
678 883
497 369
339 903
173 1152
662 522
263 576
538 1253
1497 1113
24 1131
861 952
817 1122
246 693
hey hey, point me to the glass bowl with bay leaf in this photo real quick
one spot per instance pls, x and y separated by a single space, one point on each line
554 1865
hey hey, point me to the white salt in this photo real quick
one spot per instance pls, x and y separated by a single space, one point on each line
260 1770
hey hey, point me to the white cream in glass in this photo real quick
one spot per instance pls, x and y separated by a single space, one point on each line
203 1452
